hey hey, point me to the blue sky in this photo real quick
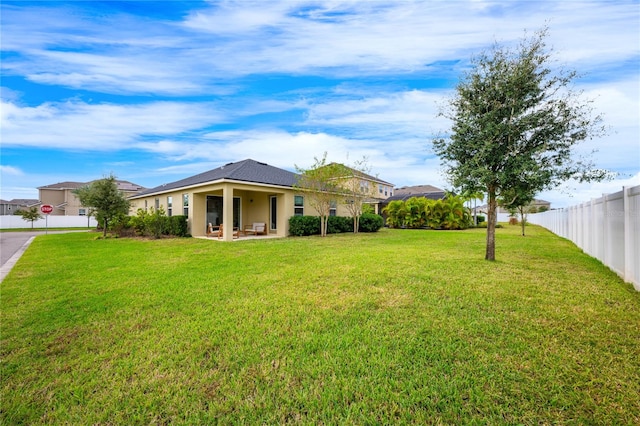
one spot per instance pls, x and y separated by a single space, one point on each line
157 91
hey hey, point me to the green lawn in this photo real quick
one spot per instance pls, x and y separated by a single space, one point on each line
409 327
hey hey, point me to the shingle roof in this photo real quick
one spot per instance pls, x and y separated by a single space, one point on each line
426 191
245 171
23 202
64 185
418 189
405 197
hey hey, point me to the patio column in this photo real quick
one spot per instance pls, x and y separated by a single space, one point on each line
227 212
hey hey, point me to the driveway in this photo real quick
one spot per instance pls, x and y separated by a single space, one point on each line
13 244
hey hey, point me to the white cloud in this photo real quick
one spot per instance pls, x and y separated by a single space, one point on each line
103 127
127 54
9 170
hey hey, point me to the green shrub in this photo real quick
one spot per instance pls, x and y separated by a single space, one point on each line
480 219
123 226
484 225
339 224
371 222
155 224
300 226
177 226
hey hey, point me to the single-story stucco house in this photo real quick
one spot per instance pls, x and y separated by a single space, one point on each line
247 191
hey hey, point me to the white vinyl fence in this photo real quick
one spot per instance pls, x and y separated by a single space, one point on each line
607 228
12 222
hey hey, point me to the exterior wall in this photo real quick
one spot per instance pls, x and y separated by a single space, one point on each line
64 202
55 197
376 189
73 204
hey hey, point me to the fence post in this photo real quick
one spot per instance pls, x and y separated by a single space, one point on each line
628 235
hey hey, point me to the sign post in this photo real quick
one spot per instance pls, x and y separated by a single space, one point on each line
46 209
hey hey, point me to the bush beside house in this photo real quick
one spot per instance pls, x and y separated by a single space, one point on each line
300 226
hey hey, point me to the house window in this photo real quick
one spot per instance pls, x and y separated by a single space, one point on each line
146 204
169 205
82 212
298 205
157 203
273 216
380 190
185 204
333 206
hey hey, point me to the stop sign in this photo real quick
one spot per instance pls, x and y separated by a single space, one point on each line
46 208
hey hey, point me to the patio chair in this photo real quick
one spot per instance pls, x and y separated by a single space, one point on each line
256 228
214 231
236 232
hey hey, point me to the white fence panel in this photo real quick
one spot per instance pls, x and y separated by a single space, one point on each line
13 222
607 228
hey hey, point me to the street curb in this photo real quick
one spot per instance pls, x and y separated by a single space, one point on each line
8 265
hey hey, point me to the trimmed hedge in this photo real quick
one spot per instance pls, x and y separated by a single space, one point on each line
301 226
371 222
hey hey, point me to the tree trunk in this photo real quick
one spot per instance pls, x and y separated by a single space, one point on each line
491 226
104 233
522 219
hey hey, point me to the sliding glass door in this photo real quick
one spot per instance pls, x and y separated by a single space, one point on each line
214 210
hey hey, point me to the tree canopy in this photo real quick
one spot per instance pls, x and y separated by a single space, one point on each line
514 120
30 215
104 199
321 186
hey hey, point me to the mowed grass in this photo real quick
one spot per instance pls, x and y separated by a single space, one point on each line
398 327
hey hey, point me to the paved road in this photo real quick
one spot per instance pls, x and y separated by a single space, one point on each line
13 244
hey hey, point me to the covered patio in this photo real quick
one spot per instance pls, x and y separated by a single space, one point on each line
245 204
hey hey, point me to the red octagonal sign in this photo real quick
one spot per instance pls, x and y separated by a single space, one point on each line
46 208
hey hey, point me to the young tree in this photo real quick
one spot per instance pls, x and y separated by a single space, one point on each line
320 184
30 215
517 202
354 192
512 116
104 199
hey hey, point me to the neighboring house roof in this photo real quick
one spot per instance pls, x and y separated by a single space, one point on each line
122 185
64 185
418 189
426 191
25 202
244 171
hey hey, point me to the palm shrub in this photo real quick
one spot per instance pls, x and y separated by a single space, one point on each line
435 212
415 212
396 213
456 215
